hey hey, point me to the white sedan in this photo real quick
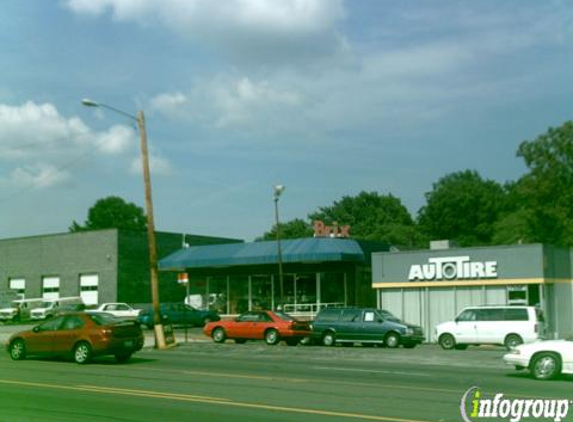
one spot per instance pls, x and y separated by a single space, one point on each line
545 359
122 310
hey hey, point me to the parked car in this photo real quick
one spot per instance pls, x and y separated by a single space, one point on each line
544 359
50 307
79 335
18 309
503 325
271 326
367 326
178 314
121 310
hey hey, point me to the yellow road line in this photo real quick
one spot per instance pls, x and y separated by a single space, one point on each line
457 392
204 399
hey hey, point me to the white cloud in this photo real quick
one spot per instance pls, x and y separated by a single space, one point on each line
265 28
36 129
158 165
116 140
168 102
37 143
40 175
244 102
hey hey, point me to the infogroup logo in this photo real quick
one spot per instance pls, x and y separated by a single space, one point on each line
474 406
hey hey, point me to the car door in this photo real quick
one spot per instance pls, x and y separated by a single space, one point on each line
350 325
261 323
465 328
491 326
372 328
567 355
42 339
68 333
243 326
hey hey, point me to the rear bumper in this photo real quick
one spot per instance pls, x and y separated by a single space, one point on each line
295 334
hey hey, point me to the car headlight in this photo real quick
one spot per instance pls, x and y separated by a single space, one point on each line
409 331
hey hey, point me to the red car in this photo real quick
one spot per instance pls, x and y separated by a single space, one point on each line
80 336
272 326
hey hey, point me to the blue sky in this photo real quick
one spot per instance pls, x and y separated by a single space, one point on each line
328 97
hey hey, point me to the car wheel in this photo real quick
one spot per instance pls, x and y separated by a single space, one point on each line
82 352
512 341
447 341
392 340
546 366
292 341
18 349
219 335
272 337
329 339
122 357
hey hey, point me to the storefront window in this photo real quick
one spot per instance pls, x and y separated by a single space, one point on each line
218 294
333 289
197 292
261 292
238 294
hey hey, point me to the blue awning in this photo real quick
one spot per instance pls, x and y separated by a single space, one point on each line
310 250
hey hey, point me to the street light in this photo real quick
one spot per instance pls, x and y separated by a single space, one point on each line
278 190
140 119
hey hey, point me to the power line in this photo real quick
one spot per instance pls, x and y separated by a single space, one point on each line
64 166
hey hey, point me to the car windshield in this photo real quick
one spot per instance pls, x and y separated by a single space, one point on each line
46 304
104 319
283 316
387 315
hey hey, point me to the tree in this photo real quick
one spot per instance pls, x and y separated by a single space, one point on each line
293 229
463 207
547 190
374 217
113 212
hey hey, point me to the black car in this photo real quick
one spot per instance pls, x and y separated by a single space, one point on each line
178 314
367 326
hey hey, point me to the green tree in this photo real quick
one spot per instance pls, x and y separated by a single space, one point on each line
463 207
374 217
547 190
293 229
113 212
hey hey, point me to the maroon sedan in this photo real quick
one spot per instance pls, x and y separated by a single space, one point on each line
271 326
79 335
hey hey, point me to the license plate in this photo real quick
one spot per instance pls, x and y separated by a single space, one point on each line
128 343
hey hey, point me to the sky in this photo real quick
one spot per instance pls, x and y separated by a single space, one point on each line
327 97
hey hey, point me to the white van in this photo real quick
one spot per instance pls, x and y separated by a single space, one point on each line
503 325
19 309
49 307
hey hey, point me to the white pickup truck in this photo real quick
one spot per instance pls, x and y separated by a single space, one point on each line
122 310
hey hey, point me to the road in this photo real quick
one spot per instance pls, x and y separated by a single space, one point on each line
203 381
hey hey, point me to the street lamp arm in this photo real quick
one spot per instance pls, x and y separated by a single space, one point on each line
90 103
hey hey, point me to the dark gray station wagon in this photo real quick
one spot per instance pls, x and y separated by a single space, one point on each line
367 326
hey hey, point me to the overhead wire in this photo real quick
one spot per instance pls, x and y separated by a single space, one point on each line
64 166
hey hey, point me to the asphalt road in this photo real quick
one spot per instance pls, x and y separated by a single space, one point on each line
203 381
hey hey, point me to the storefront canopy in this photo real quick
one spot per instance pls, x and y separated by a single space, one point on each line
312 250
